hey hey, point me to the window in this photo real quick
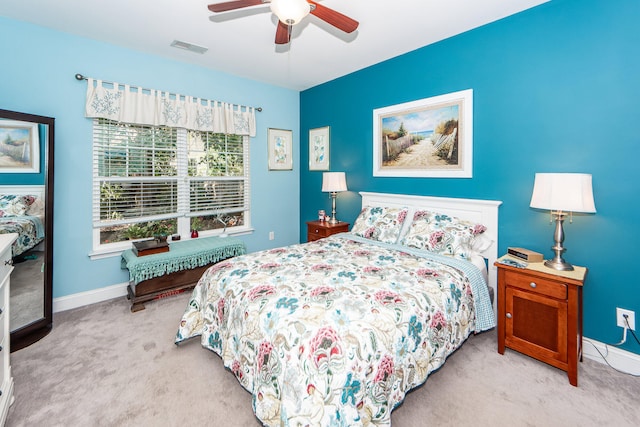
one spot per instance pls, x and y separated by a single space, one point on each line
150 181
218 170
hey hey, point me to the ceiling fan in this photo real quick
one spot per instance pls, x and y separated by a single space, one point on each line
291 12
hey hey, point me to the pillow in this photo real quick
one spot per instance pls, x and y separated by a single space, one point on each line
380 223
445 235
11 205
37 207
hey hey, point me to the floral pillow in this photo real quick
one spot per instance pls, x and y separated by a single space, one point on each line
12 205
446 235
380 223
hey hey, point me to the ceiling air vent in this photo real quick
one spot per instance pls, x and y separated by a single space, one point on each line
189 46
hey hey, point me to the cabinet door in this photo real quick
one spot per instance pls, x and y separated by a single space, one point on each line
536 325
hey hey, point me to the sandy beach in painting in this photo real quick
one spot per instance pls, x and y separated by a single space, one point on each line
420 155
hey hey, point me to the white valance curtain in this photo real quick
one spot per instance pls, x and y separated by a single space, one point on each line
130 104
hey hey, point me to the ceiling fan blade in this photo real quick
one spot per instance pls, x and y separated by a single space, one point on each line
283 33
337 19
233 5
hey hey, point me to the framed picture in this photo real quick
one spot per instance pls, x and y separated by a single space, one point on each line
19 147
319 149
279 146
431 137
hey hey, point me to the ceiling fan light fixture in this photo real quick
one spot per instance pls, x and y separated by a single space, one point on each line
290 12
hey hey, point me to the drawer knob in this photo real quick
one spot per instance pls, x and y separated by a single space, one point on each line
509 316
533 284
317 230
8 262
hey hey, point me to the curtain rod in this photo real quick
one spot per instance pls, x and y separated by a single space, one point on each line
81 77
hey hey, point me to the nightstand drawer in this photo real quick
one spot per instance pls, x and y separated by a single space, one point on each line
319 232
313 237
536 284
321 229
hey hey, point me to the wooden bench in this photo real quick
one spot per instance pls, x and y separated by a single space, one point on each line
153 276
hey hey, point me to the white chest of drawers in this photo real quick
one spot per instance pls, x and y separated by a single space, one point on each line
6 380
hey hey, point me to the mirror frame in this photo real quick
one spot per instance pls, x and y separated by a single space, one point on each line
32 332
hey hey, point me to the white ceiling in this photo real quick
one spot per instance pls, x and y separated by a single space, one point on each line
242 42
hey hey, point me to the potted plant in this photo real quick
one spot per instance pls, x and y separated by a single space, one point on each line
196 223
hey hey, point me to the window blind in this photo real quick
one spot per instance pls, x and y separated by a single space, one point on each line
218 173
135 173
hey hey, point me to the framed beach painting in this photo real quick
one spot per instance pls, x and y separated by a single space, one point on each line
319 149
279 146
19 147
430 137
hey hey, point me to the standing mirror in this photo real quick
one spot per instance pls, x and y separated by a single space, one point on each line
26 208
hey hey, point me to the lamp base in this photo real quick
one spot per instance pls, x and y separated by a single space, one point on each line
560 264
333 219
557 262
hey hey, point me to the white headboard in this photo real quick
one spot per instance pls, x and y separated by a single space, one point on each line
479 211
23 190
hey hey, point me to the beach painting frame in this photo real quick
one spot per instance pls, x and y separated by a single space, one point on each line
280 149
19 147
319 149
427 138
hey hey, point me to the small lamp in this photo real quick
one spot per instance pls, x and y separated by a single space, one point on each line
562 194
333 182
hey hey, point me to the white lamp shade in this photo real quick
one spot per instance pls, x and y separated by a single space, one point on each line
568 192
290 12
334 182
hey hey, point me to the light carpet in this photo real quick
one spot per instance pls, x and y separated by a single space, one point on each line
105 366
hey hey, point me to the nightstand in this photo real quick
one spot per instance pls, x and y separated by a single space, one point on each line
540 314
319 229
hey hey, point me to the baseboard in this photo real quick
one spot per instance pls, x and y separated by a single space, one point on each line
621 360
89 297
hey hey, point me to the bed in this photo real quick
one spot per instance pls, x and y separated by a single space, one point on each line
337 331
22 212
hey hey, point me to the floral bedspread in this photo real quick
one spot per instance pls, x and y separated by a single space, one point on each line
29 228
336 331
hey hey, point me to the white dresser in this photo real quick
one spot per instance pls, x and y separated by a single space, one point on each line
6 380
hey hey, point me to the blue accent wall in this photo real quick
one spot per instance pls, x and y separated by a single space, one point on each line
556 89
37 77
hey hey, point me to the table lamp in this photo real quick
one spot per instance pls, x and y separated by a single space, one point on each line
333 182
562 194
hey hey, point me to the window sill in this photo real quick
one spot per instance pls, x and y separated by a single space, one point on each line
116 251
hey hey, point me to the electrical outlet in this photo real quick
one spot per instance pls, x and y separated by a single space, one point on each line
272 235
631 318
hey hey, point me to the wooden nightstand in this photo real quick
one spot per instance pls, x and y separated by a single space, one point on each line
540 314
319 229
